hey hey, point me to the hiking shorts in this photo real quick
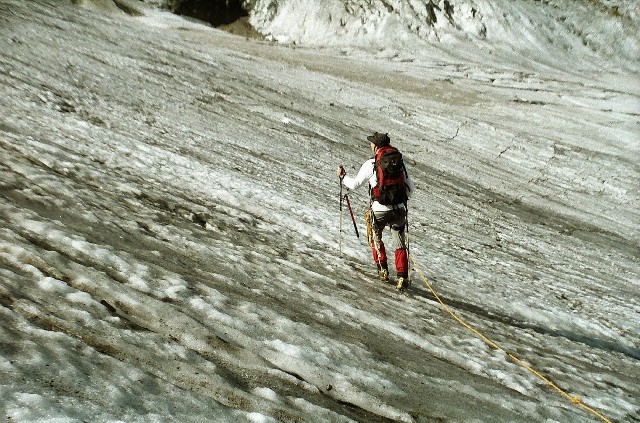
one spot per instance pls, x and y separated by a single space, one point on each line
396 219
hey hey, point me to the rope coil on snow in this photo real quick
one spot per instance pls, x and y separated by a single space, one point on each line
574 400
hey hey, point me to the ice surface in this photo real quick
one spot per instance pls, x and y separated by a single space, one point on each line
170 220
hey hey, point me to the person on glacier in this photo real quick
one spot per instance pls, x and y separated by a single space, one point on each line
390 187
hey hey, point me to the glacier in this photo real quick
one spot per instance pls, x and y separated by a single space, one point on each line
170 214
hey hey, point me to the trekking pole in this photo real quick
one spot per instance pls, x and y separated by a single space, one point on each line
353 219
340 242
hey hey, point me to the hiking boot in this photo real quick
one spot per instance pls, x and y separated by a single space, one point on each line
383 274
403 283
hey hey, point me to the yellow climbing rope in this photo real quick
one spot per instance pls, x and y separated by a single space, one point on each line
574 400
368 219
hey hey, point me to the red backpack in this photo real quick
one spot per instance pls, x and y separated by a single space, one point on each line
390 176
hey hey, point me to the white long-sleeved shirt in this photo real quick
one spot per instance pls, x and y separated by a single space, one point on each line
367 173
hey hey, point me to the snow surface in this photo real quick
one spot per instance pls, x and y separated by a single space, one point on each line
170 217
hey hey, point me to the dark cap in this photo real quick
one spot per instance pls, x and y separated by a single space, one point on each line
379 139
